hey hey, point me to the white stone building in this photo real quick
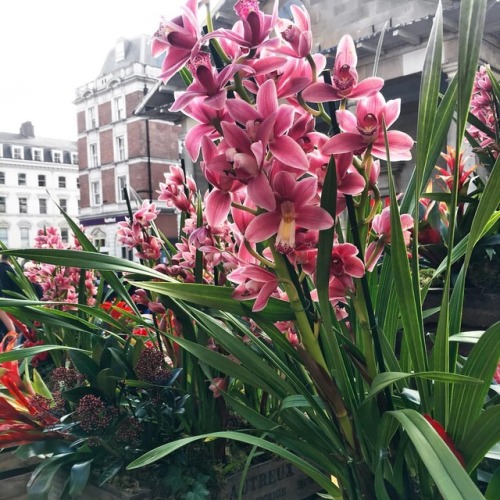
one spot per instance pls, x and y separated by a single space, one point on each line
36 174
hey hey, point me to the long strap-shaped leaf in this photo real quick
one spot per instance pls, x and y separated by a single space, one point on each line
449 475
413 328
467 402
472 16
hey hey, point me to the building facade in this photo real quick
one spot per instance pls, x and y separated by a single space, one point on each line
36 175
122 155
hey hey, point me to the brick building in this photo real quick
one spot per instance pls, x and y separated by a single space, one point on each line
36 175
119 150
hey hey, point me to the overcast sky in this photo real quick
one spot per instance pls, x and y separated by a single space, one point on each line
48 48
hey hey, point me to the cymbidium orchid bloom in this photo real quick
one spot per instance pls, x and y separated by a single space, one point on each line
209 119
179 39
365 129
381 225
268 122
254 282
255 26
146 214
298 34
209 84
344 78
294 209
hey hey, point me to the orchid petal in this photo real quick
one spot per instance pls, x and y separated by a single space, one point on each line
311 217
260 192
344 143
217 207
346 120
320 92
367 87
286 150
263 227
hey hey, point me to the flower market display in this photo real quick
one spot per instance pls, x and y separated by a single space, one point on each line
288 320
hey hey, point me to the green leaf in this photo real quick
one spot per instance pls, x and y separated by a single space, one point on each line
488 204
79 477
447 472
300 401
219 298
319 477
85 364
493 490
429 95
383 380
467 337
106 382
39 385
470 35
467 401
413 329
481 436
26 352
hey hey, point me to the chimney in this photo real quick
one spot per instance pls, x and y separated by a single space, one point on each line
27 129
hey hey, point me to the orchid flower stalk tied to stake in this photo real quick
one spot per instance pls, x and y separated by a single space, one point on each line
301 284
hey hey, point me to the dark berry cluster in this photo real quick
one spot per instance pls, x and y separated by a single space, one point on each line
151 366
66 378
93 414
129 431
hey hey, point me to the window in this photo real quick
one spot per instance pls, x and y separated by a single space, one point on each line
91 117
95 188
42 202
2 177
21 179
4 236
99 243
119 148
118 108
62 181
37 154
93 155
121 182
42 181
1 150
57 156
17 153
25 237
63 203
74 158
23 205
65 235
3 205
78 182
127 253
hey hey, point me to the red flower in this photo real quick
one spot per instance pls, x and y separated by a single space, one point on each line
445 437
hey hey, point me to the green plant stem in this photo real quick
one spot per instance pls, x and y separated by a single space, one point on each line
313 348
366 334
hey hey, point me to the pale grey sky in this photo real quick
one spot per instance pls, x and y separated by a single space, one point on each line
48 48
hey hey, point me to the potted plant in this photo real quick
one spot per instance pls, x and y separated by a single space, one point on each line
310 331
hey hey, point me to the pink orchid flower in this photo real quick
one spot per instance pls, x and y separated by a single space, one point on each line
344 78
210 85
217 385
179 39
294 209
298 34
268 123
253 28
381 225
344 265
366 129
253 282
209 119
146 214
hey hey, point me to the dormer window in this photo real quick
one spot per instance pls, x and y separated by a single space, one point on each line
37 154
17 153
120 50
57 156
